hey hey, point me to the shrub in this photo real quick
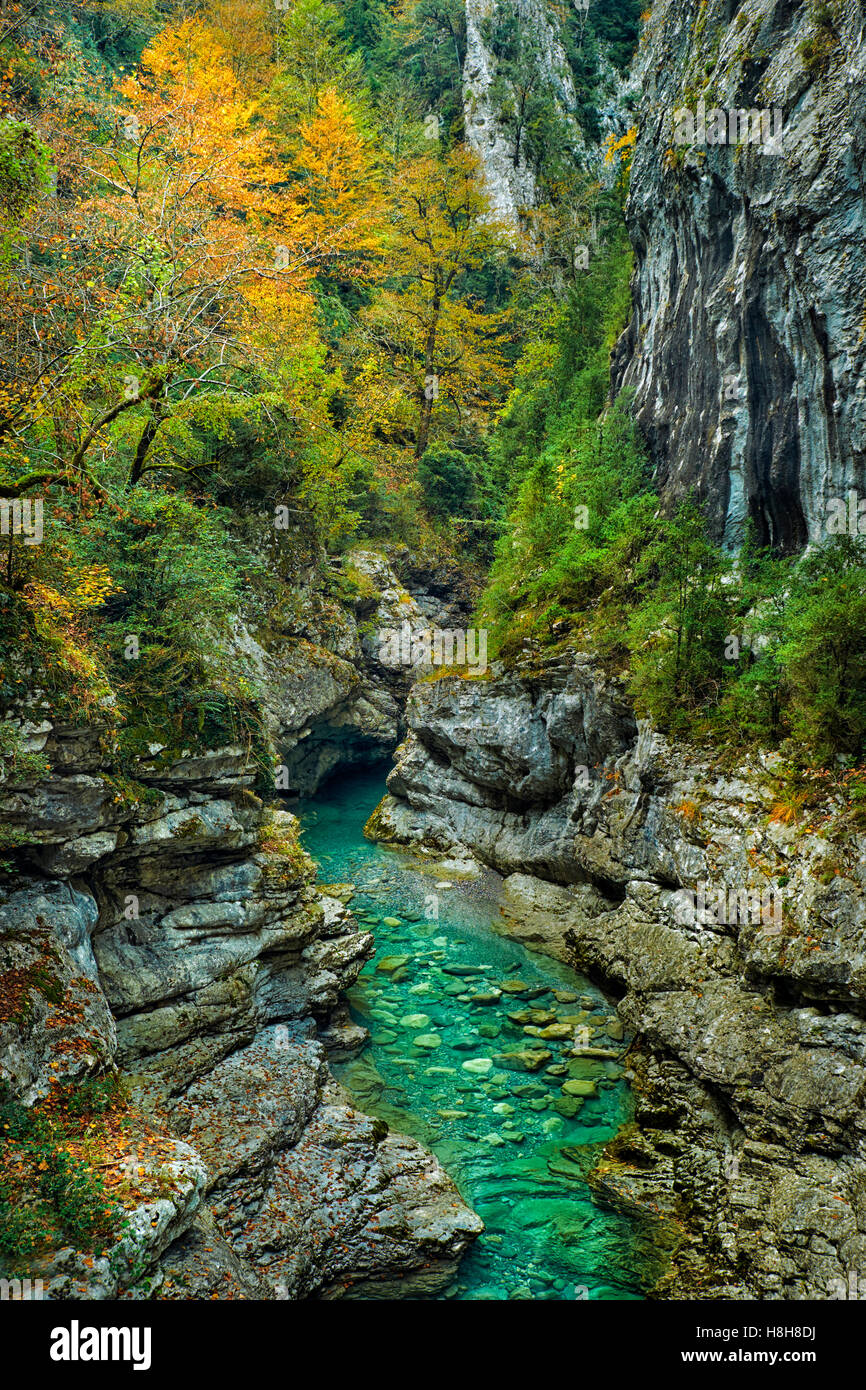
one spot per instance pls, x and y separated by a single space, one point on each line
824 652
447 479
48 1194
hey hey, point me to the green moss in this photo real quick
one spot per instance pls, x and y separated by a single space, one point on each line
12 837
704 56
47 984
19 763
39 975
377 827
129 792
192 829
287 861
819 49
354 584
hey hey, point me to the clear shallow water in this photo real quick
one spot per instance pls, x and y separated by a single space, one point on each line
440 993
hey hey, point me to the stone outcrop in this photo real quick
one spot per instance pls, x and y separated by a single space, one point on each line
745 349
329 698
509 182
170 927
509 173
733 935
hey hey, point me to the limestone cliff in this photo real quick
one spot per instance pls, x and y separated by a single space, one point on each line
329 700
746 348
509 177
523 56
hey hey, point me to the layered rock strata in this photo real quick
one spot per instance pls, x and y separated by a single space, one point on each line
170 927
733 937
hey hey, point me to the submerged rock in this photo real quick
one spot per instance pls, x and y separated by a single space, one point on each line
579 1088
478 1065
390 963
524 1059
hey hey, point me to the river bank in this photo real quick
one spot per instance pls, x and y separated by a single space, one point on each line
505 1064
749 1063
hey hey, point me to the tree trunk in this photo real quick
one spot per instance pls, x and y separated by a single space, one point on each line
147 437
427 396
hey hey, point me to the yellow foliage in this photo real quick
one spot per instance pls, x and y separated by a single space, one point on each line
93 586
624 148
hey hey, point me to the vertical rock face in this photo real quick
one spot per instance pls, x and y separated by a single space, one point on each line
509 177
746 349
329 698
510 182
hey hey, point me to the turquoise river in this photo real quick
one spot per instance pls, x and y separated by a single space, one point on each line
446 998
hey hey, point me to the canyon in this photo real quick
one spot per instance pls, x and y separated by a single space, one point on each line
161 922
748 1064
169 928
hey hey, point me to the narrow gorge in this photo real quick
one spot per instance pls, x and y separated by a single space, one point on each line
433 683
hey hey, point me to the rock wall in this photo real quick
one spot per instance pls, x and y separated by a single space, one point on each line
749 1066
170 926
510 184
329 699
746 349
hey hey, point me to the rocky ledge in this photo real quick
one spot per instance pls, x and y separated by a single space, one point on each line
733 937
169 930
331 693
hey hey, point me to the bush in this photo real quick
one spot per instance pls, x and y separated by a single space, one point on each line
49 1196
176 582
677 633
824 651
447 478
580 511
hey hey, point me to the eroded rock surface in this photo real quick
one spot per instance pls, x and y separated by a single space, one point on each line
745 348
172 927
331 693
735 942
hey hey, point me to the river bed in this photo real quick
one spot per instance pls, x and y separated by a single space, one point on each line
515 1117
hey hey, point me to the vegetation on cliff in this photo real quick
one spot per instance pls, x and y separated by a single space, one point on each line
256 310
752 648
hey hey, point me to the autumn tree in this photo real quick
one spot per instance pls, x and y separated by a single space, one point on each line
248 32
339 201
311 57
437 345
182 231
